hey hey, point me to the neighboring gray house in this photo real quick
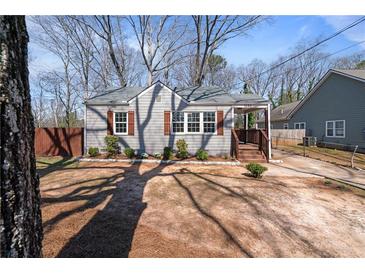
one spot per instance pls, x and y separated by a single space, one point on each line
148 119
333 111
279 116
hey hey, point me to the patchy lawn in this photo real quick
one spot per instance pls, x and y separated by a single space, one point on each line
334 156
122 210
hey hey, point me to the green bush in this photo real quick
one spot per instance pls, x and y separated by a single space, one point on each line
256 170
182 149
167 153
157 155
202 155
111 143
144 155
129 152
93 151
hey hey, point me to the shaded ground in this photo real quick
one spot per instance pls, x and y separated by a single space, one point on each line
330 155
119 210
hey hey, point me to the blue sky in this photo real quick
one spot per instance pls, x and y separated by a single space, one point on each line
267 42
275 38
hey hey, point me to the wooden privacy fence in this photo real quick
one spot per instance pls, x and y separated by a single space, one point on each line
64 142
283 137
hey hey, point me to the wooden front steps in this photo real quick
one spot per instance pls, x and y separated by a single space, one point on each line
250 153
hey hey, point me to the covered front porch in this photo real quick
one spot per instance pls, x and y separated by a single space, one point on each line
251 144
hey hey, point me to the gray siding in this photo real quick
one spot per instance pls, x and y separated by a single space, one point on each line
274 125
338 98
149 125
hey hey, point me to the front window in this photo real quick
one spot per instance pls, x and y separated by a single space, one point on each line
300 125
177 122
120 122
193 122
335 128
209 122
286 126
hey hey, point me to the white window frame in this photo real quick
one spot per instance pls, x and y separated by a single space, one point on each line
334 128
299 123
115 122
286 126
201 124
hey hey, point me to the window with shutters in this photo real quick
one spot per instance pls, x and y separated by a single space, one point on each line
178 122
194 122
120 122
209 122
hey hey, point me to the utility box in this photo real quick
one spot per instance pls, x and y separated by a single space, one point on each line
309 141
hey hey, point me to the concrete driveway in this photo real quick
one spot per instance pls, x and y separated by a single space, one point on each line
304 166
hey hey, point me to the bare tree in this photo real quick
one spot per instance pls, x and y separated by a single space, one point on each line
160 40
20 218
211 32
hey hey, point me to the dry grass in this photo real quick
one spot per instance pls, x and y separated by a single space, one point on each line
330 155
119 210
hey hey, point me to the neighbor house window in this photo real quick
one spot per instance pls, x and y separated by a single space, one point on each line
335 128
178 122
209 122
120 122
300 125
193 122
286 126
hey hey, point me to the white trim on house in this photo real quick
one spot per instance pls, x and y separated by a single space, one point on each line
317 86
201 124
151 87
300 123
114 123
334 129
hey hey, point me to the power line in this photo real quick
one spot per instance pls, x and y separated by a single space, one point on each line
315 61
353 24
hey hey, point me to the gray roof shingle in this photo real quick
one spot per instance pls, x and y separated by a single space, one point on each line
281 113
358 73
202 95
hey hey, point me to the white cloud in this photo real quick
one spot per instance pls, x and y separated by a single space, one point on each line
355 34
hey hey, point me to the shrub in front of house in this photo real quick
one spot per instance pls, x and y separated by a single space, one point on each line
93 151
182 149
111 143
129 152
167 153
256 170
157 155
202 155
144 155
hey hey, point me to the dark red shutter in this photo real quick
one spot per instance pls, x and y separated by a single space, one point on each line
220 122
166 123
130 122
109 122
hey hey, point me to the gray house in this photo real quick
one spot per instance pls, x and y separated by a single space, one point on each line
148 119
333 111
279 116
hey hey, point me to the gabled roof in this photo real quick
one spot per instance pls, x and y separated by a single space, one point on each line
281 112
195 95
356 74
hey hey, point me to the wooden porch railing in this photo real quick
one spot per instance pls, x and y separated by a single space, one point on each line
235 143
254 136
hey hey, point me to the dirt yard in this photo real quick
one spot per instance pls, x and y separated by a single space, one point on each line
119 210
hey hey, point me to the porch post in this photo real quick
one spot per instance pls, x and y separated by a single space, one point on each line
268 127
246 127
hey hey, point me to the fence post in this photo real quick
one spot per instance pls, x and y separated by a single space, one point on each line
304 147
353 155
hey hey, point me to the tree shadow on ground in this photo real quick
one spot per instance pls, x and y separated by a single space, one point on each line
110 231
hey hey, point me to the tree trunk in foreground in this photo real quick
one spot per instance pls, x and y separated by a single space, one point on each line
20 218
